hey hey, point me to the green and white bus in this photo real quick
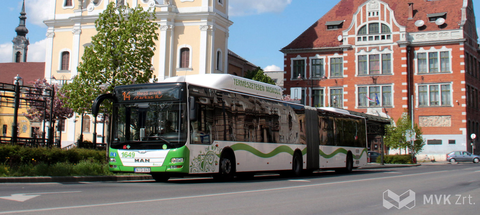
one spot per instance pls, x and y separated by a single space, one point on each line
224 125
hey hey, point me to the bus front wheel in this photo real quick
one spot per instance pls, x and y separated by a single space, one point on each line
227 167
160 177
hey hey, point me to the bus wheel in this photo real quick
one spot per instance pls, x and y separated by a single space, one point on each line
297 165
160 177
349 166
227 167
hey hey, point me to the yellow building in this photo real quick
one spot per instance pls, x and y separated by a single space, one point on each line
193 39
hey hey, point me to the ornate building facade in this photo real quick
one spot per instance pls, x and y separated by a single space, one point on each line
394 57
193 39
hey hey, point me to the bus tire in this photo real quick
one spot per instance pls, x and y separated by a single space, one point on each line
227 167
297 164
349 165
160 177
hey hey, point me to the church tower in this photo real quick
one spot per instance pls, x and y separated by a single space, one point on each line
20 42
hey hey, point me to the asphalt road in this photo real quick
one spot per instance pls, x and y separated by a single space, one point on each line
440 189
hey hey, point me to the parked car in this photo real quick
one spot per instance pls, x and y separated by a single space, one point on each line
462 156
372 156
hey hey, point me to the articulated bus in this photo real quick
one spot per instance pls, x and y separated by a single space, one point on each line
222 125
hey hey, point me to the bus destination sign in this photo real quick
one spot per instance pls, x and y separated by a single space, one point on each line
141 95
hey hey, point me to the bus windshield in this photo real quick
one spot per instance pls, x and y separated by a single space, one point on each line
149 125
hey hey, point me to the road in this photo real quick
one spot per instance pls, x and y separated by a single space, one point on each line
441 189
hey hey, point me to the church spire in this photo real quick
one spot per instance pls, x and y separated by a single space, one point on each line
20 42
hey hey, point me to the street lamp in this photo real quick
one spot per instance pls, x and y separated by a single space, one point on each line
17 83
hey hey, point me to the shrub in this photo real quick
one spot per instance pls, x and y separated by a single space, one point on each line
398 159
24 161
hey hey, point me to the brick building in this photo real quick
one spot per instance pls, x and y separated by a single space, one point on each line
393 57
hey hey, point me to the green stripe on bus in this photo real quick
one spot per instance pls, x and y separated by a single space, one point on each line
343 151
276 151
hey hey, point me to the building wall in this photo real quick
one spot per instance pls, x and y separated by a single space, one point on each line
201 25
451 122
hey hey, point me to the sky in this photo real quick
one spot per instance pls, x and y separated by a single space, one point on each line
260 27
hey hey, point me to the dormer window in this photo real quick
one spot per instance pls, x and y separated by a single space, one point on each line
434 16
374 31
334 24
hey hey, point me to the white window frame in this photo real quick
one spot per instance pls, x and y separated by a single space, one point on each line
68 7
316 57
219 60
179 54
380 97
374 52
330 96
323 96
439 96
427 51
292 67
330 66
60 60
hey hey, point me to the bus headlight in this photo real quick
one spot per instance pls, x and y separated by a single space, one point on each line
176 160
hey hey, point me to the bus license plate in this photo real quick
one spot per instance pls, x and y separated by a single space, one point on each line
142 170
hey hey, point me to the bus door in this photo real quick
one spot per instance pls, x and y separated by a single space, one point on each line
313 142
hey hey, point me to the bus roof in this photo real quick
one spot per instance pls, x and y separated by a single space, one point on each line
231 82
339 111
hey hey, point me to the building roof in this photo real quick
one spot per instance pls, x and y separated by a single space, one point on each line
317 36
29 71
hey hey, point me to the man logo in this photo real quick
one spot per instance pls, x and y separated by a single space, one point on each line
391 199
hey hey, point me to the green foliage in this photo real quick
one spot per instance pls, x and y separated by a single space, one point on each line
397 159
259 75
120 54
396 136
24 161
14 155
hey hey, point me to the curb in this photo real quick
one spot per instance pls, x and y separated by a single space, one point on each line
375 166
73 178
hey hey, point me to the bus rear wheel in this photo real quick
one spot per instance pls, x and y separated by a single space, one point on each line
348 165
297 165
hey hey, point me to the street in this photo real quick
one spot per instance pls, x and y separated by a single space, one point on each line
442 189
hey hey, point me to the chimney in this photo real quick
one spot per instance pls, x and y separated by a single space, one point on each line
410 10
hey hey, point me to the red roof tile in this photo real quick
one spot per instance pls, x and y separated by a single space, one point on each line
29 71
317 36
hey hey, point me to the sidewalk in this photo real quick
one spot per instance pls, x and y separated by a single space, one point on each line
378 165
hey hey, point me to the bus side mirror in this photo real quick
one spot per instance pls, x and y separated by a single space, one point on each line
193 108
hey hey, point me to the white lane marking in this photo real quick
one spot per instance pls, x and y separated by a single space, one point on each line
214 194
299 180
22 197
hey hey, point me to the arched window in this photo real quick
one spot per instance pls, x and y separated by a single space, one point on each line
219 60
86 124
375 31
65 60
18 57
184 58
68 3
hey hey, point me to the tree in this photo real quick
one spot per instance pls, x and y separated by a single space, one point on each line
396 136
121 54
40 103
259 75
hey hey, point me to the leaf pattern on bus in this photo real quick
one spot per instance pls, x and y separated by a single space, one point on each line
205 161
